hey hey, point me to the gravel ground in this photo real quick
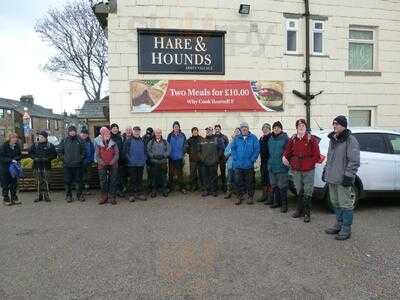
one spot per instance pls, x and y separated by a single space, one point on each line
186 247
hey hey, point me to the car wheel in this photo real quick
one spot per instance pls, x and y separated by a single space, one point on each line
329 204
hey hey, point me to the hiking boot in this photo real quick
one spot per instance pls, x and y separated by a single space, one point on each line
215 194
165 194
184 191
205 194
38 199
307 209
250 201
103 199
153 194
7 201
239 200
69 198
345 232
335 229
120 194
299 207
15 200
46 198
113 200
276 202
141 197
228 196
81 198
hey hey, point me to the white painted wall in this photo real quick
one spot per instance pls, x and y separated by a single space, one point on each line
260 56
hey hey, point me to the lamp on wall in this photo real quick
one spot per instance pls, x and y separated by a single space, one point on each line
244 9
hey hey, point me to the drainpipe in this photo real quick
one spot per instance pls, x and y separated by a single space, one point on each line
307 97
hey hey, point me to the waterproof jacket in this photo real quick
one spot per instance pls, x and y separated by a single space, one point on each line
8 154
228 156
343 157
222 141
276 148
264 153
117 139
106 154
178 145
302 153
158 151
245 151
209 151
193 147
135 152
42 155
72 152
89 151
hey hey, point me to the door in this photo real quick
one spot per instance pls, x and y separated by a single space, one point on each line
377 170
394 148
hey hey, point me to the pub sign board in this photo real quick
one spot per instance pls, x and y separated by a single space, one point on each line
165 51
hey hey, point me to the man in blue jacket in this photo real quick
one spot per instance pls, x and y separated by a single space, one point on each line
278 172
136 156
245 151
88 158
177 141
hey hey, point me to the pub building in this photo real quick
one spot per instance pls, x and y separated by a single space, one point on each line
223 62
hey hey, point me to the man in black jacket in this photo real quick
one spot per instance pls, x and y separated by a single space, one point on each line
72 153
209 160
264 155
42 152
117 138
193 149
10 152
222 141
147 137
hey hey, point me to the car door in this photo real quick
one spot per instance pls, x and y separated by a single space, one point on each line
377 170
394 149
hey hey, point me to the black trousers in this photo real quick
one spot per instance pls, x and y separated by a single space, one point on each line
159 176
196 177
245 182
136 177
8 184
176 170
222 170
73 175
210 178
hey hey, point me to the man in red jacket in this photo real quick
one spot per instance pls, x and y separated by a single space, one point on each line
301 154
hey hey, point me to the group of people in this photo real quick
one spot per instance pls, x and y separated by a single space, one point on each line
122 159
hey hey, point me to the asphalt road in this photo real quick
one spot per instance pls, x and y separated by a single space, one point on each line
186 247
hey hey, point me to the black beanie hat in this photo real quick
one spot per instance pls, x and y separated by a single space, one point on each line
114 125
342 120
277 124
44 134
85 131
149 130
71 128
176 123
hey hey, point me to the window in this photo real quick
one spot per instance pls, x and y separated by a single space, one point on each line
2 113
362 49
360 118
394 142
371 142
317 37
48 124
292 42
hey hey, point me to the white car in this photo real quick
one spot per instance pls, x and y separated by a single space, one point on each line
379 171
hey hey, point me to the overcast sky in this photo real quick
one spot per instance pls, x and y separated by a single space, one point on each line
22 54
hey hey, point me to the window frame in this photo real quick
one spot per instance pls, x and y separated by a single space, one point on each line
372 42
296 29
382 135
389 144
372 110
314 30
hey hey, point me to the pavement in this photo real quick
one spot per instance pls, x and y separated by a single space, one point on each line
188 247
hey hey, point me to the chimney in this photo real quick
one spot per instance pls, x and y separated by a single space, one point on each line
26 100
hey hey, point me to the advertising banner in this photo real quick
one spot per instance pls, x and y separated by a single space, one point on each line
206 95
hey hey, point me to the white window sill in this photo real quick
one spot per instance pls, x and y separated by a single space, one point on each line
293 54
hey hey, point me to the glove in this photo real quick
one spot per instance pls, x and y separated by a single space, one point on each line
347 181
323 176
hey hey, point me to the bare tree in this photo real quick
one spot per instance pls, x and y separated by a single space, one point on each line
80 43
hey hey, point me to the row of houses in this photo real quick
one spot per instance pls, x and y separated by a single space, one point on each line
12 113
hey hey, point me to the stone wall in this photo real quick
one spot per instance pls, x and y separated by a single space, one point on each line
255 51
